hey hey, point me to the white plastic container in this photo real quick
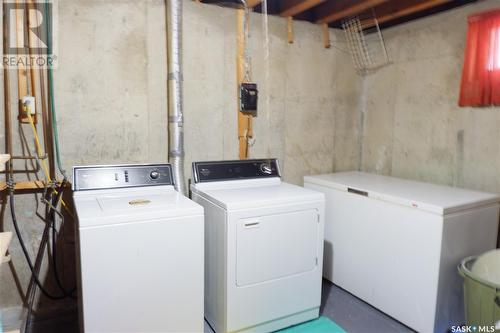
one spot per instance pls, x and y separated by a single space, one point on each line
396 243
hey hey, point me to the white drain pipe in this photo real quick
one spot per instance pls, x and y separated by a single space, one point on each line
175 99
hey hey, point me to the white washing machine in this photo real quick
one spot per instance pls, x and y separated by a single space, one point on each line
140 250
263 246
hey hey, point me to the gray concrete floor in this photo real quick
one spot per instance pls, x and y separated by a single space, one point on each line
354 315
351 313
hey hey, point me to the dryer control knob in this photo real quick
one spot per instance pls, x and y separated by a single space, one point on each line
154 175
266 168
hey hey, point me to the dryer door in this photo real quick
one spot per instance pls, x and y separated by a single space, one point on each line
275 246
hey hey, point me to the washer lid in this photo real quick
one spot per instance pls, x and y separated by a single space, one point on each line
255 193
108 207
429 197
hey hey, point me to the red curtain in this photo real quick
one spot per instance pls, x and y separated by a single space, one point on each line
481 72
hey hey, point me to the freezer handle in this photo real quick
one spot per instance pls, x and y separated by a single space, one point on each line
358 192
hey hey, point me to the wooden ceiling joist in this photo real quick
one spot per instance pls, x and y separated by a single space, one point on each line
394 10
290 29
295 7
253 3
334 10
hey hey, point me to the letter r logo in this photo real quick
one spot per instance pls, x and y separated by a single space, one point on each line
28 26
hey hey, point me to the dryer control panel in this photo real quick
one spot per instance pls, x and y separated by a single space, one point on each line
233 170
121 176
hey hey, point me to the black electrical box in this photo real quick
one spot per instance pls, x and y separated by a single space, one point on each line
248 98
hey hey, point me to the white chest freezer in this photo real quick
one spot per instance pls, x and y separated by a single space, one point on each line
396 243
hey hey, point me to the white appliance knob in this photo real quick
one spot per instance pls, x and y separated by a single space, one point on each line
266 168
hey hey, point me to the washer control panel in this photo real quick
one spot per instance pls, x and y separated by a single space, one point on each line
233 170
121 176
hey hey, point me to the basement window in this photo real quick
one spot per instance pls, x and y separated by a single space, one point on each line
480 85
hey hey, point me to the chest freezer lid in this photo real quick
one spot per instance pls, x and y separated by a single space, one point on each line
118 206
429 197
241 194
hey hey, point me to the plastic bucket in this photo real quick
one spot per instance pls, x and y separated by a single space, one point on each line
482 289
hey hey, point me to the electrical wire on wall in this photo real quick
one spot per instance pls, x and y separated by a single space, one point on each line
267 73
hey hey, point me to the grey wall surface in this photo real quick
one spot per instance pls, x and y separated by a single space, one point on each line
112 94
111 101
305 91
413 126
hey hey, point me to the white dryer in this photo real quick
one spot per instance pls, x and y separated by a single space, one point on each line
140 249
263 246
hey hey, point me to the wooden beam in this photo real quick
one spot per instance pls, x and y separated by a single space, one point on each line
290 30
34 186
334 10
244 121
253 3
326 36
294 7
22 73
397 9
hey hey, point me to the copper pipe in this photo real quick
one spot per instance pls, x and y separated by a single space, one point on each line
32 72
22 72
46 117
50 138
47 130
6 91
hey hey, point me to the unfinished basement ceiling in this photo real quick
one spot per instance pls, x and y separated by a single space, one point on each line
332 12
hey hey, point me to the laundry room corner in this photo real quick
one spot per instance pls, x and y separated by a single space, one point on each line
115 110
238 166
